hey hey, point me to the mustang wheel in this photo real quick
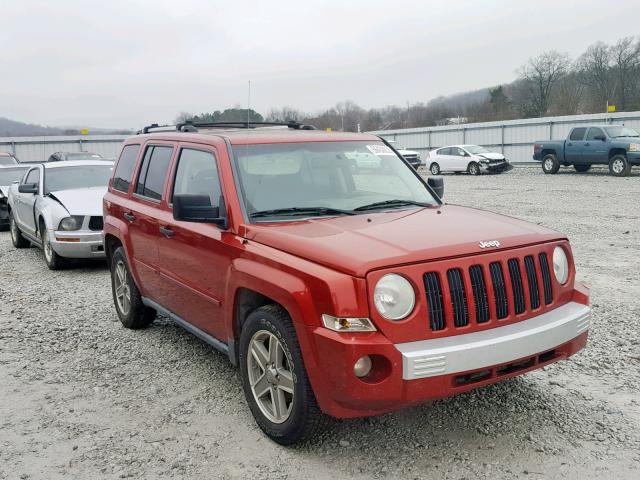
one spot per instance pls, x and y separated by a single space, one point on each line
16 235
619 166
473 169
274 379
434 169
550 164
51 258
131 311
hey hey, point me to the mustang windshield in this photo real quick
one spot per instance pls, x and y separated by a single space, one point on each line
326 179
77 176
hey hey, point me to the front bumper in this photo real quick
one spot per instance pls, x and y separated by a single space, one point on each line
426 370
496 167
78 244
633 158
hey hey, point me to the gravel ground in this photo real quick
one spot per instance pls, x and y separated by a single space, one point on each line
82 397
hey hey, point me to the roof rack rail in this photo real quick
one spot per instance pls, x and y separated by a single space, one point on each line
189 126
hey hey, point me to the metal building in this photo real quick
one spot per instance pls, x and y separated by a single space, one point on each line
513 138
38 149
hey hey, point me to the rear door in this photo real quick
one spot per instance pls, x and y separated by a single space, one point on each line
574 145
595 149
195 258
444 159
142 215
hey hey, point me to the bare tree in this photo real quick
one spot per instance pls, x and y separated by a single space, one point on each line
285 114
595 72
542 73
626 61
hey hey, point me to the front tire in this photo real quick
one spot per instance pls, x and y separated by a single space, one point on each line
473 169
132 312
16 235
619 166
274 378
51 258
582 168
434 169
550 164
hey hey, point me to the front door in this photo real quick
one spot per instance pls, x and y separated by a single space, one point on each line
596 149
195 258
26 202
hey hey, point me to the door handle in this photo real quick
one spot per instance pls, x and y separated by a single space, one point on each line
129 216
587 144
570 144
167 232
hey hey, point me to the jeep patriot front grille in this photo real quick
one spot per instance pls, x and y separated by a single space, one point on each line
486 292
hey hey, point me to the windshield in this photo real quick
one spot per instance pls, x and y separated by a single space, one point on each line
475 149
83 156
7 160
329 178
10 175
615 132
81 176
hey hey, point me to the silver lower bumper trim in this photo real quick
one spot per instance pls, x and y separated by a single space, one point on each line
471 351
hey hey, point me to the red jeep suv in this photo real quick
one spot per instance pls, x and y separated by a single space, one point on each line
330 272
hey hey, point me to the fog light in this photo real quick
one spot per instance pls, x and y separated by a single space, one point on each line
362 367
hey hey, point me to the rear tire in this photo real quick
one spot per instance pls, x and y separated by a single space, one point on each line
550 164
51 258
582 168
279 374
434 169
619 166
16 235
473 169
127 299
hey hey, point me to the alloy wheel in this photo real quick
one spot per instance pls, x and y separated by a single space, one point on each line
548 164
270 376
46 246
122 289
617 166
14 229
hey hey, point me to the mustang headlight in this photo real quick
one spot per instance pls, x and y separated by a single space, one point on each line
634 147
394 297
560 265
71 223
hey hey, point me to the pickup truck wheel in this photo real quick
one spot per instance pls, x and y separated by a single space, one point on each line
51 258
16 235
550 164
132 312
434 169
473 169
274 379
582 168
619 166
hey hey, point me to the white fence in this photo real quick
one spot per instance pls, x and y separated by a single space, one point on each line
38 149
513 138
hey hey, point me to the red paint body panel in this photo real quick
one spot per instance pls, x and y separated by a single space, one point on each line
328 265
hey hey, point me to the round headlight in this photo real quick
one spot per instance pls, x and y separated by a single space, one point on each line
394 297
69 223
560 265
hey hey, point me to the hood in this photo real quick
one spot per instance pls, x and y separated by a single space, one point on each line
358 244
81 201
626 139
491 156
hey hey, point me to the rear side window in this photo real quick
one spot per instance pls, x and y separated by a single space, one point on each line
197 173
153 171
578 133
124 170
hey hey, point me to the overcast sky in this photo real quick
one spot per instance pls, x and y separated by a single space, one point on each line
127 63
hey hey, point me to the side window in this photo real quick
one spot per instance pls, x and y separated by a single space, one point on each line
577 134
459 152
33 176
444 151
197 173
124 169
593 133
153 171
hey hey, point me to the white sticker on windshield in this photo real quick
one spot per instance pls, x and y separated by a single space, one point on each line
380 149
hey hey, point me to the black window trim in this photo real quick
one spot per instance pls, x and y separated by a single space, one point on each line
139 168
135 169
186 146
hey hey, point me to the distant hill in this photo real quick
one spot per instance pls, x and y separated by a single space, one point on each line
12 128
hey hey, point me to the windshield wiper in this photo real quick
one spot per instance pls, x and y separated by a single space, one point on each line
390 203
300 211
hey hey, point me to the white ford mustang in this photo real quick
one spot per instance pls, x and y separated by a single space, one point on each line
58 207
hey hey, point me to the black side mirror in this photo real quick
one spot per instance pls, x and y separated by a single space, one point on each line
190 207
437 185
600 137
28 188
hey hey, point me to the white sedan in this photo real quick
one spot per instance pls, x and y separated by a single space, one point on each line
472 159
